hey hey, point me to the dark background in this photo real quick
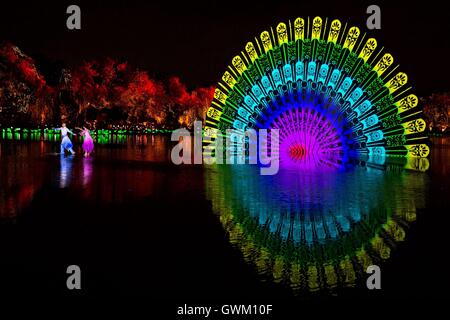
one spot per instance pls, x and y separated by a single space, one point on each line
196 40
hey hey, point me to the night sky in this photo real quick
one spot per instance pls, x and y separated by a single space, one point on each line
196 40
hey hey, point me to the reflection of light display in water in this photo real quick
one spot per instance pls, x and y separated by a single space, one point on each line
315 229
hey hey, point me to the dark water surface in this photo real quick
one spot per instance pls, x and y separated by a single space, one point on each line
138 225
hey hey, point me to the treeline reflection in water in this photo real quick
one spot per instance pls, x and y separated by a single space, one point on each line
115 172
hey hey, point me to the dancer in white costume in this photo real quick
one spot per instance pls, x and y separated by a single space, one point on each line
66 144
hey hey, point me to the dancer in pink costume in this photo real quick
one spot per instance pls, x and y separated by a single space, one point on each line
88 144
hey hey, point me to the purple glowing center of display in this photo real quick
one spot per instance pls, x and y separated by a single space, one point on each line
297 151
308 139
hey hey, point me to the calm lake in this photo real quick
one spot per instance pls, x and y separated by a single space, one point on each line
138 225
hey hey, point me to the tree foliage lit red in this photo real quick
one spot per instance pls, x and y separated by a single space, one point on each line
437 111
107 92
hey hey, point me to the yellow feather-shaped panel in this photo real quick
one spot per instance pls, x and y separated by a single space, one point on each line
335 29
385 62
282 33
369 48
316 28
251 51
299 29
229 79
397 82
266 41
352 37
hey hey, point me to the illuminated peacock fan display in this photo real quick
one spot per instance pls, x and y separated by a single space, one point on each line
333 93
339 101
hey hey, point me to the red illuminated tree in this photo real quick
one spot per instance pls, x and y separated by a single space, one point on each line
25 98
142 97
437 111
190 106
106 90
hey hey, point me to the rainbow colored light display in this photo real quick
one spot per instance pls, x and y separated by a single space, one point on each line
339 101
331 91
